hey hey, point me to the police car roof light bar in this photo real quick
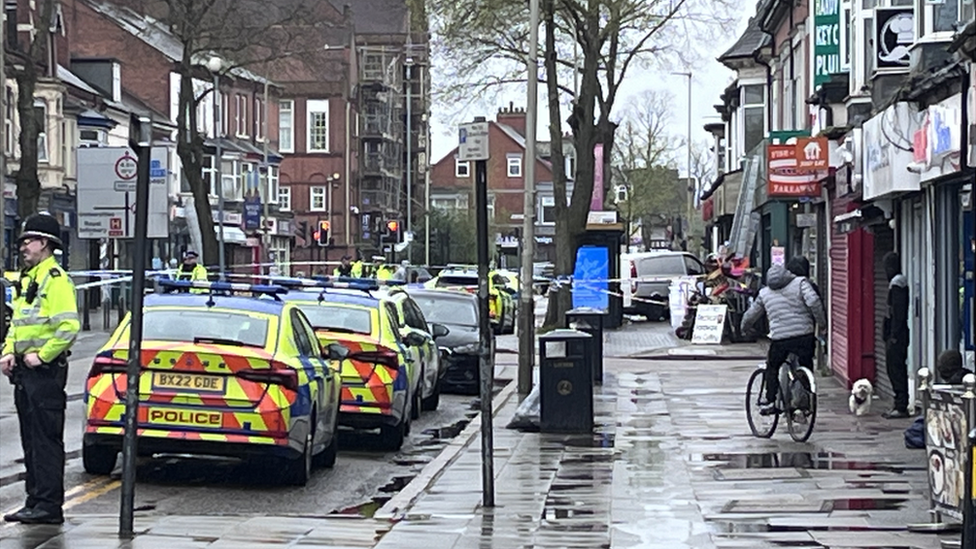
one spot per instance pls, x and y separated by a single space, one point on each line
354 280
255 289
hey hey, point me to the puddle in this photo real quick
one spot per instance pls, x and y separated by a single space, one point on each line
804 460
599 440
367 510
867 504
448 432
396 484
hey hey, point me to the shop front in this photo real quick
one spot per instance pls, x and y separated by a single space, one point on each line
891 187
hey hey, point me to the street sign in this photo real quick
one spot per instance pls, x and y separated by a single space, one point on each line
107 189
473 141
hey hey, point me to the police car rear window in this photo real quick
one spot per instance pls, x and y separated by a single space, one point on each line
205 326
351 320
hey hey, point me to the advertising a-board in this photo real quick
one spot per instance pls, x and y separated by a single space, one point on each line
946 431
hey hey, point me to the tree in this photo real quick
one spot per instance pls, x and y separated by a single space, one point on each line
453 237
241 33
612 37
27 70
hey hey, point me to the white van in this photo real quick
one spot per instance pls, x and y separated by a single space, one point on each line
647 276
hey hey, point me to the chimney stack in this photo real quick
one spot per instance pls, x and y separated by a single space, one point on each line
512 117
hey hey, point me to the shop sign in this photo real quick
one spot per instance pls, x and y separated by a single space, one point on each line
894 35
812 153
826 46
786 180
885 159
940 139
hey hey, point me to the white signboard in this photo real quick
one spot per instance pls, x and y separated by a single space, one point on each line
473 141
709 324
887 137
107 193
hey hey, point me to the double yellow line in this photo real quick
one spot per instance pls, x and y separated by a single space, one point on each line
80 494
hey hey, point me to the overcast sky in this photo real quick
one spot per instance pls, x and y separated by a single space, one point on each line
708 81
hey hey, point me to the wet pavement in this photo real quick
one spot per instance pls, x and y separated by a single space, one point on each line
671 464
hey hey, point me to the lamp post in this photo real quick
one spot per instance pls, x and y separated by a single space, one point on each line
333 185
691 190
214 64
409 64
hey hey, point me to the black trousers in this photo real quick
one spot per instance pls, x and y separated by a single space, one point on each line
896 360
40 400
803 347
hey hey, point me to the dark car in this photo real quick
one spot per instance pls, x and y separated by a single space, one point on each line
459 312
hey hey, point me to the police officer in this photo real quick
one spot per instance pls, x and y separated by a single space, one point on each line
43 328
344 268
191 270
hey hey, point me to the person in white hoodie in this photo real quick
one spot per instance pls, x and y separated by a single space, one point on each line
795 313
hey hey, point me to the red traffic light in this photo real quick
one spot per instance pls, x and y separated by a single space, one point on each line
392 225
315 235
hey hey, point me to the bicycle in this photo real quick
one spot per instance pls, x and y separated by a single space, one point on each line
797 400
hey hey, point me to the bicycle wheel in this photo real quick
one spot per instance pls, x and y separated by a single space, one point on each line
801 404
762 426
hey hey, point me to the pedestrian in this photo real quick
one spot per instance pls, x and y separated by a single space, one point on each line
401 272
795 312
950 368
895 331
344 268
35 358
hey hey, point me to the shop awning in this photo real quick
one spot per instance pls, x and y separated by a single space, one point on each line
232 234
861 217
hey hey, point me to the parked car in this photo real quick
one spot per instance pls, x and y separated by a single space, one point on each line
646 280
458 311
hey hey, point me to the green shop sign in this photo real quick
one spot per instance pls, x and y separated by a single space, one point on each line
826 48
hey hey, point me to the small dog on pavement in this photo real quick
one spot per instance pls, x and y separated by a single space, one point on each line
860 401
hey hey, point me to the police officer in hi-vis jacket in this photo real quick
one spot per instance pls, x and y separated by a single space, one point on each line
35 358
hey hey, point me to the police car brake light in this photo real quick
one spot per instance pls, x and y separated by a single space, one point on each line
107 365
286 377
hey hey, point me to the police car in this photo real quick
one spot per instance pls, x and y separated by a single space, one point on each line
222 375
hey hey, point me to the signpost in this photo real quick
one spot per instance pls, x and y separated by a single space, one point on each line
473 146
107 179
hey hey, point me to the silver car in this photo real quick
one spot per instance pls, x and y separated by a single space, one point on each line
651 285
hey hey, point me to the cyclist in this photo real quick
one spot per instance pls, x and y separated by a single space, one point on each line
795 312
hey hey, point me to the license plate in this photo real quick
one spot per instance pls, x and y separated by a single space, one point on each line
188 382
185 418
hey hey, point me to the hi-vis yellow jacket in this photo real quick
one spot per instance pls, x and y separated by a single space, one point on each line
44 321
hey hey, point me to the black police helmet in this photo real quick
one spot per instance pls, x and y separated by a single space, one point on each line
42 225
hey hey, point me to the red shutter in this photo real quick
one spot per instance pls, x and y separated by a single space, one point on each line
839 293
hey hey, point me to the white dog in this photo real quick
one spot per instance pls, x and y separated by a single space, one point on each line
861 393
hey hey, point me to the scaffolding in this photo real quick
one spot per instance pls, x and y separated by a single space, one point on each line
381 128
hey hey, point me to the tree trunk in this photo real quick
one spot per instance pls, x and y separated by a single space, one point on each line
28 183
191 152
559 296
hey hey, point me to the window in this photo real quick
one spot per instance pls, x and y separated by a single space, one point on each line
318 125
259 120
284 198
515 166
224 114
286 129
241 115
230 179
185 326
323 316
246 177
40 114
462 169
88 138
547 211
273 184
570 167
845 35
317 199
301 335
8 122
754 115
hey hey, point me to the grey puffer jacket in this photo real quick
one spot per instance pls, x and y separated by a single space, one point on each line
790 303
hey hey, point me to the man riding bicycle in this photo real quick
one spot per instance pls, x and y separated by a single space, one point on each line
795 312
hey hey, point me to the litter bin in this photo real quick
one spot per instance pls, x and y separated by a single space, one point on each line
591 321
566 381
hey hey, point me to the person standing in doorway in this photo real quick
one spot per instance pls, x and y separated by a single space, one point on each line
35 353
895 332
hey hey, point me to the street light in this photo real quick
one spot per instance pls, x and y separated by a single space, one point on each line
334 180
215 64
691 190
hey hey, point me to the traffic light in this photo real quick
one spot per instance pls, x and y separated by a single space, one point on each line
392 230
301 230
324 234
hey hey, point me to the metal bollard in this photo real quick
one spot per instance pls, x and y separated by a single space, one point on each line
106 307
969 499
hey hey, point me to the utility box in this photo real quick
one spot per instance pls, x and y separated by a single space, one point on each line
566 381
590 321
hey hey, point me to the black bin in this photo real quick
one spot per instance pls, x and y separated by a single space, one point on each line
566 381
591 321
